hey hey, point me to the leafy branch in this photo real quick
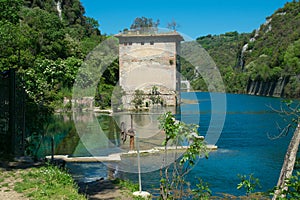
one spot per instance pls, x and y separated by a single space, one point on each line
177 133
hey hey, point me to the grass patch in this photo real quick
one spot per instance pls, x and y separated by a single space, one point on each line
129 186
5 185
48 182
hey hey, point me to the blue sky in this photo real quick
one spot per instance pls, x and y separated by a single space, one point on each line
195 17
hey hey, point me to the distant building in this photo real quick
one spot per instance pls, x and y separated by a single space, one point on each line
149 61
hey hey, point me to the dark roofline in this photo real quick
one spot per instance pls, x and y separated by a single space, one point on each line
137 34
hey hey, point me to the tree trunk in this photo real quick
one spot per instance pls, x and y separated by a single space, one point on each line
288 164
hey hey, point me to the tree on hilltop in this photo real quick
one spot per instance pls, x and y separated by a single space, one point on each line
144 22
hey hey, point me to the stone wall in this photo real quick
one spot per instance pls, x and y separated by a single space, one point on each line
149 60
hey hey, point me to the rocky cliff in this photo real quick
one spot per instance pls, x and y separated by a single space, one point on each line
264 62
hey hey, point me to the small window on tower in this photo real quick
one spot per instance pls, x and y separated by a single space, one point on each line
130 43
125 43
151 43
142 43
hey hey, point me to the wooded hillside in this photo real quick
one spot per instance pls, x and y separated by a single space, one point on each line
265 62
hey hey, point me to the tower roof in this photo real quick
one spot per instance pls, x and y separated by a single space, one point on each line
140 35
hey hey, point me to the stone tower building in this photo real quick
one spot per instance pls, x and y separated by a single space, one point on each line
148 61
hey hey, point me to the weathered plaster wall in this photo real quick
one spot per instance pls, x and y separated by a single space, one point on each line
147 61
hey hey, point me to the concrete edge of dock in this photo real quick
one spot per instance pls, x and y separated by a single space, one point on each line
116 157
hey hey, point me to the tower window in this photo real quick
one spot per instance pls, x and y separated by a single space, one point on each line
151 43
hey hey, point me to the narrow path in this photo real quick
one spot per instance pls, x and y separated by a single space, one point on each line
7 184
104 190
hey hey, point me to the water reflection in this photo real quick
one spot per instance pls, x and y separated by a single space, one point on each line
90 134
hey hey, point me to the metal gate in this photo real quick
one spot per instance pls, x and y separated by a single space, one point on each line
12 114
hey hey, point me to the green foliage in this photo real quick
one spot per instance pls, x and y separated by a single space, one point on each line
46 51
249 184
48 182
104 93
173 184
47 33
293 184
108 87
138 99
225 50
143 22
128 187
9 10
202 190
155 97
277 42
36 31
274 42
132 187
272 53
293 188
292 59
9 45
45 79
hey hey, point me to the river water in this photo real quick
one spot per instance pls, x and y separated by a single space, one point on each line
244 145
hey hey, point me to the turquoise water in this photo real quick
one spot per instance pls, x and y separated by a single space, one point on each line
244 147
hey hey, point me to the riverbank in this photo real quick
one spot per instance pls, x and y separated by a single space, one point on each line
24 181
35 181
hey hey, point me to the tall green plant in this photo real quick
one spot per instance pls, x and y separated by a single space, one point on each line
248 183
177 133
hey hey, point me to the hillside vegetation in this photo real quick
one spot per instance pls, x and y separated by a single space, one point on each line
45 43
225 50
264 62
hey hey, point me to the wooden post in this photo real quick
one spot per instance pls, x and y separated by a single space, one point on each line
110 173
52 149
288 164
131 134
132 143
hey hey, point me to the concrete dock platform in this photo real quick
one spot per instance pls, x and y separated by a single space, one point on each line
116 157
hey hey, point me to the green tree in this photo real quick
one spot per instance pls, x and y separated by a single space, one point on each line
9 45
144 22
47 33
107 87
154 96
292 59
10 10
10 35
45 80
138 99
47 52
